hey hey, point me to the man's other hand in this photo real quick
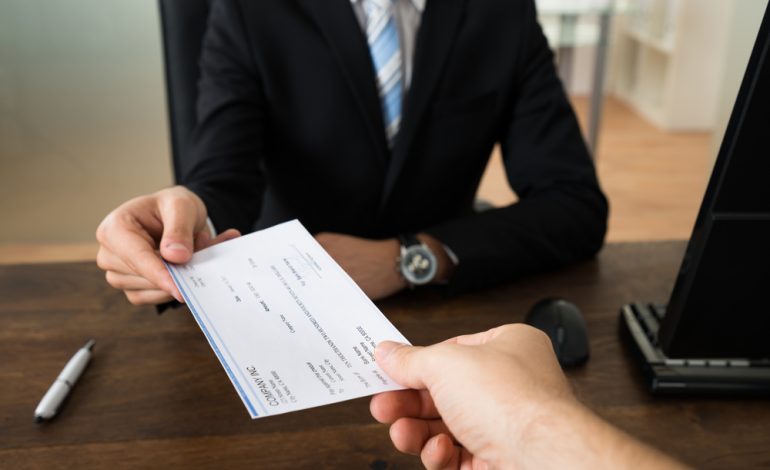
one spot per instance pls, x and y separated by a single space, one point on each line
371 263
169 224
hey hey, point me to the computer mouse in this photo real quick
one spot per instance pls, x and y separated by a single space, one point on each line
563 323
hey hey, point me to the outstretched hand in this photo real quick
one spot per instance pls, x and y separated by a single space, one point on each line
134 239
463 386
497 399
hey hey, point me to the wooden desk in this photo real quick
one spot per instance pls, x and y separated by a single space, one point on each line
155 395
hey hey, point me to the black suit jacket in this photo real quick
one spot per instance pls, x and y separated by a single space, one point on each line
290 126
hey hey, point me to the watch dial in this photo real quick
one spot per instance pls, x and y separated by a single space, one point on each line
418 265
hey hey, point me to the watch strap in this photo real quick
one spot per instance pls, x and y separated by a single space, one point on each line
408 239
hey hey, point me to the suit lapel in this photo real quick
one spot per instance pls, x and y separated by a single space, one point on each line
438 28
339 27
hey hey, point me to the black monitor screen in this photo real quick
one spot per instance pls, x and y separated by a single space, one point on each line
719 306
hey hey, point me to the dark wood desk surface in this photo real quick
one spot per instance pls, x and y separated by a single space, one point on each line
156 396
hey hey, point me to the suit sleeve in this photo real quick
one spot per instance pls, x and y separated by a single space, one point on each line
223 167
561 216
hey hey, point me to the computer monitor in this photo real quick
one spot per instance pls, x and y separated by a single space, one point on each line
714 333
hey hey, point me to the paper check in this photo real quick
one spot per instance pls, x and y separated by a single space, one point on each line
290 327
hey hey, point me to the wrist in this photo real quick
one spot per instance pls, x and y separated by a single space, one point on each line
444 264
566 434
396 279
541 434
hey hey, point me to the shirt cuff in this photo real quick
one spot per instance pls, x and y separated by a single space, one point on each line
451 254
212 230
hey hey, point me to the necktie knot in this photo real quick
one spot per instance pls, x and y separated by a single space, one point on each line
377 6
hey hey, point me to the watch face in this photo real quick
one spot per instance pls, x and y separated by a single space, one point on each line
418 265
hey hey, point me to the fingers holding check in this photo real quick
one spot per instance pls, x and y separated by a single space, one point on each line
511 368
140 290
136 237
390 406
128 282
427 436
138 269
413 417
441 453
410 435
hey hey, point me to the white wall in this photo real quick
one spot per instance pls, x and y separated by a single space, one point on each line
746 16
580 82
82 114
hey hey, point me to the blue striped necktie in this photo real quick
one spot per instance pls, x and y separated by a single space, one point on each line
382 36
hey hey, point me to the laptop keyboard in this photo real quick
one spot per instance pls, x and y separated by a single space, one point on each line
649 317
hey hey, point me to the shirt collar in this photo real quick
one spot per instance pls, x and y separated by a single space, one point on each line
418 4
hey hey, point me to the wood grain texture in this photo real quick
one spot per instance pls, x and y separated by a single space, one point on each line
18 253
155 395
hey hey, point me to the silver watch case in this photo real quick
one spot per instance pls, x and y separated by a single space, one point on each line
418 264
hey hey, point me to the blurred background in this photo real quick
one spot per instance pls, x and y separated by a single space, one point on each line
83 123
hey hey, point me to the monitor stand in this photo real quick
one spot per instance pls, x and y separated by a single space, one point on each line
639 325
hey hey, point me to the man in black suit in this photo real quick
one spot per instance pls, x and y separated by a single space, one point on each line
371 121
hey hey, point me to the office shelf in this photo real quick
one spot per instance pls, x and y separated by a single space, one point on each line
667 60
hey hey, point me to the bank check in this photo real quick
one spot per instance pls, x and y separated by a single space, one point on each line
290 327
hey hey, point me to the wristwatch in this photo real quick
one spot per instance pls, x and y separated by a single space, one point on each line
417 262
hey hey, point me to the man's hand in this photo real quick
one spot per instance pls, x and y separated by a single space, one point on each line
463 392
371 263
496 399
170 224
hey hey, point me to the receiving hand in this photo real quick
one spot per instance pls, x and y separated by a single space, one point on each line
371 263
473 396
171 224
497 399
